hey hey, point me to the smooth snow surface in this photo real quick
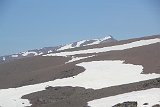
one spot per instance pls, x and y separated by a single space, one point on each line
150 96
106 49
98 74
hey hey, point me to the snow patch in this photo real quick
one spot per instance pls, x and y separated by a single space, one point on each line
4 58
98 74
40 53
106 49
14 56
27 53
105 38
78 58
98 41
150 96
68 46
49 51
80 42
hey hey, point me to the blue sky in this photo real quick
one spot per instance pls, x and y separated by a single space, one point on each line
30 24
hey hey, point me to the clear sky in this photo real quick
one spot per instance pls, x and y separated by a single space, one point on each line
30 24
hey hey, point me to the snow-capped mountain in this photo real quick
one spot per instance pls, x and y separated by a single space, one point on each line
46 50
87 42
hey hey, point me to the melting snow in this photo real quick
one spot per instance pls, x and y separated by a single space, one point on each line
150 96
106 49
98 74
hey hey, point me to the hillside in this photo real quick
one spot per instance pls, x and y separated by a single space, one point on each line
100 73
45 50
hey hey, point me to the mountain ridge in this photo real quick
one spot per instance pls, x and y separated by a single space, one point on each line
45 50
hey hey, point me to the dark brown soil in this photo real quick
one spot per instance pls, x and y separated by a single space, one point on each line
126 104
35 70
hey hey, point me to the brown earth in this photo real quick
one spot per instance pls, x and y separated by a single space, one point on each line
35 70
126 104
42 69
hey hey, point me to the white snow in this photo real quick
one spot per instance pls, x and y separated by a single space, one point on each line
98 74
14 55
78 58
150 96
106 49
40 53
4 58
27 53
68 46
80 42
97 41
49 51
106 38
75 59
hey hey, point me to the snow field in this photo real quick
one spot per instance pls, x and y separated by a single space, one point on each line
150 96
98 74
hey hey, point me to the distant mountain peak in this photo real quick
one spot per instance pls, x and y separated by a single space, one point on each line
46 50
87 42
107 37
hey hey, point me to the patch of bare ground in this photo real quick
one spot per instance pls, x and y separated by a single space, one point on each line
36 70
